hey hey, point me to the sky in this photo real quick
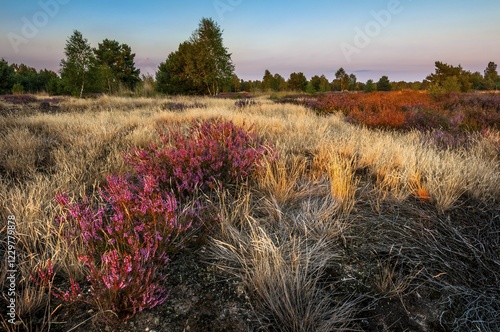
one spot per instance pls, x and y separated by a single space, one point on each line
370 38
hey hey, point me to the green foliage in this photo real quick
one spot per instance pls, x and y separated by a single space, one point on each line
314 84
370 86
279 83
6 77
27 77
310 88
200 65
353 84
22 78
447 78
449 85
210 64
117 65
297 82
384 84
491 77
272 82
341 81
172 76
17 89
267 81
320 83
79 70
234 85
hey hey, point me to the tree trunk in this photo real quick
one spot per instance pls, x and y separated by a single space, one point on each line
81 90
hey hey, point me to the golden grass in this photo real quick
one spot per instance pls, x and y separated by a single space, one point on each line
279 237
281 258
340 172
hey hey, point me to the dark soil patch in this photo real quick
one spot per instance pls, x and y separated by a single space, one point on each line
201 299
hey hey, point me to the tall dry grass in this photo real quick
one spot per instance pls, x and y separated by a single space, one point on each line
333 197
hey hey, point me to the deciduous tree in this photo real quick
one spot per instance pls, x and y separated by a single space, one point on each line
341 81
210 64
200 65
79 65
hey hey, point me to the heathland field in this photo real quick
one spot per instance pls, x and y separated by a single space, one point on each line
211 214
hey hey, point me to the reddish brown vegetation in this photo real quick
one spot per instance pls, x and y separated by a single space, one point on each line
411 110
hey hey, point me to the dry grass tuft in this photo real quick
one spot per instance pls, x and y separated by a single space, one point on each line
283 265
341 175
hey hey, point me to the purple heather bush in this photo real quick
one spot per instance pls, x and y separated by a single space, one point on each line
19 99
211 154
126 240
449 139
132 228
424 119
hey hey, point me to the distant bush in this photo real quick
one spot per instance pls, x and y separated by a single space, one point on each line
240 103
17 89
180 107
19 99
425 119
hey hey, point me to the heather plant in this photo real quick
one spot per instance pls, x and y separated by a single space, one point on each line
211 153
17 99
424 119
245 102
410 109
132 227
276 235
180 106
127 238
448 139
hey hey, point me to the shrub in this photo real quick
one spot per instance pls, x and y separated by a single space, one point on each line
132 227
448 139
19 99
410 109
424 119
210 154
17 89
126 238
241 103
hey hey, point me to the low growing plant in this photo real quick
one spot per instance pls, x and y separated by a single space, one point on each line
133 226
210 154
127 238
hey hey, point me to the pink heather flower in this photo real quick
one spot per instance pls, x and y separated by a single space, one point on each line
142 212
62 199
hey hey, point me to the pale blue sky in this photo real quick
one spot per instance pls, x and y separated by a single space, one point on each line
314 37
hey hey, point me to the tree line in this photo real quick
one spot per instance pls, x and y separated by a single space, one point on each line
108 68
202 66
